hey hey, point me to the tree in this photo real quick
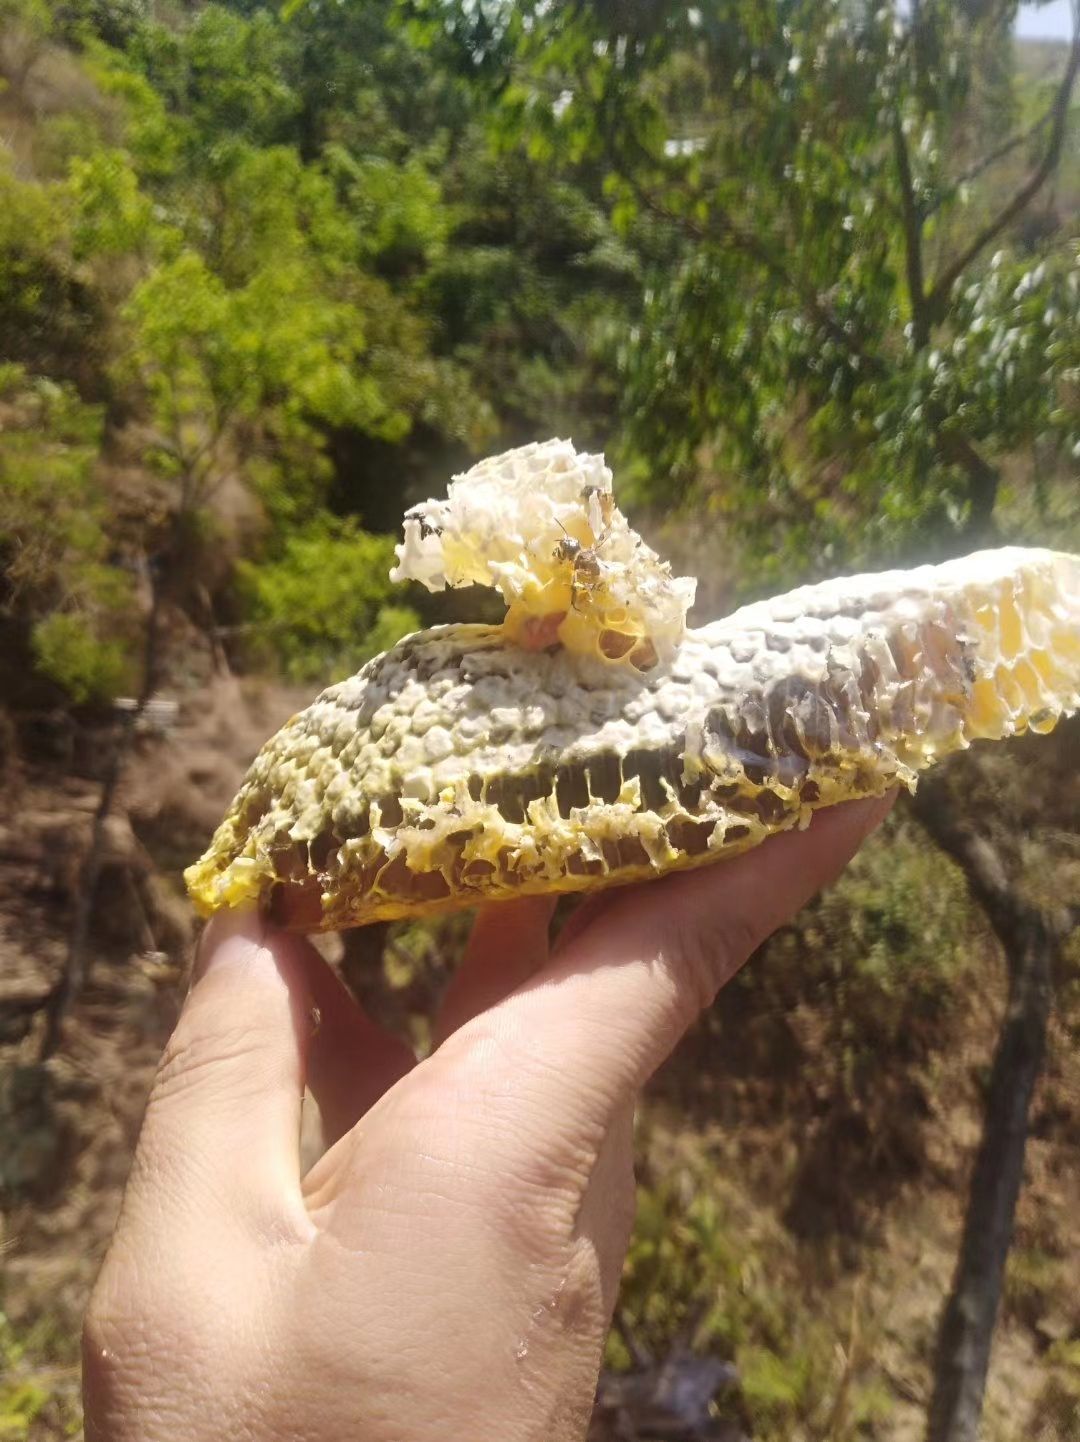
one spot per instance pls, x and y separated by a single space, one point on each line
62 606
514 264
831 332
1031 940
46 314
823 327
243 326
220 74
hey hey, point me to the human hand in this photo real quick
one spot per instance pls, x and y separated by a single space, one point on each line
449 1267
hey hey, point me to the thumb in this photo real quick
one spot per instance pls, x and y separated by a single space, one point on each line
222 1123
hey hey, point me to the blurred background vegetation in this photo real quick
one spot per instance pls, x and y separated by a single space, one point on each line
808 271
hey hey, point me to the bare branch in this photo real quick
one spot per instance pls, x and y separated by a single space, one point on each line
939 294
991 158
983 480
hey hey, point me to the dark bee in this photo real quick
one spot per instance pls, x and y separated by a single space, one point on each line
585 564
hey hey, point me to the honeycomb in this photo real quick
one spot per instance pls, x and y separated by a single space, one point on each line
468 764
540 525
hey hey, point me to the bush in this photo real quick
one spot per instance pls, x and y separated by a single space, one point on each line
325 605
709 1270
67 604
88 667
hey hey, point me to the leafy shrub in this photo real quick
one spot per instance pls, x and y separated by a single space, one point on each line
706 1270
62 597
880 952
113 21
325 605
88 666
44 313
38 1380
112 216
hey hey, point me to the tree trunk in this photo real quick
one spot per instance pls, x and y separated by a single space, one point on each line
73 977
1030 942
967 1326
983 481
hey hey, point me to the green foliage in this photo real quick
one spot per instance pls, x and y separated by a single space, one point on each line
33 1388
112 216
682 1260
264 331
289 237
224 73
401 220
116 22
62 597
43 316
1033 1280
151 136
273 208
775 1387
825 351
33 16
20 1404
704 1271
325 605
68 649
243 301
881 954
252 366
